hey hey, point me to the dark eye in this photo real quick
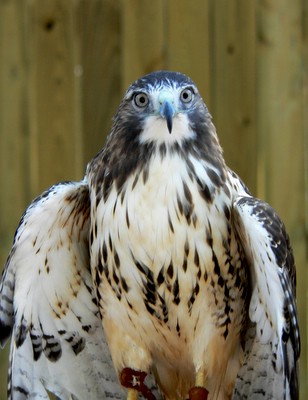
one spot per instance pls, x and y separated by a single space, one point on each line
141 100
186 95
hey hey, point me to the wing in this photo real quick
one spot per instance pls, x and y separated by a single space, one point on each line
48 305
271 343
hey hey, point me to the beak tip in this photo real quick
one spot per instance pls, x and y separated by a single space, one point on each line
167 112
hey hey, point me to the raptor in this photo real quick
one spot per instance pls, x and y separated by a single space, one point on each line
159 272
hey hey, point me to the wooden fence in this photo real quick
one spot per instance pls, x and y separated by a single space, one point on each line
64 65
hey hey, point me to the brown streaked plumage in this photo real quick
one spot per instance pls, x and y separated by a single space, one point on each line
193 279
180 251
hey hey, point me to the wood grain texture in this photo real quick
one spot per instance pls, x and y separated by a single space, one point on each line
188 41
281 124
54 135
14 171
14 134
142 38
99 33
233 96
65 64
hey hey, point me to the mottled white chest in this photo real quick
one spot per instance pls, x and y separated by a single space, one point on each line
168 264
161 223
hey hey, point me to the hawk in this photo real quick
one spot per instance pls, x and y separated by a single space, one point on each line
159 275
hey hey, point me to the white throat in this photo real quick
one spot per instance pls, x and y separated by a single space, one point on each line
155 130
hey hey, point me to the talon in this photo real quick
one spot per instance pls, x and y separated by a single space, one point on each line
133 379
198 393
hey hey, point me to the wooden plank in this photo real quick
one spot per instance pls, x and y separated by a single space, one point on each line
188 41
99 27
13 123
304 247
13 136
281 133
233 84
55 134
142 27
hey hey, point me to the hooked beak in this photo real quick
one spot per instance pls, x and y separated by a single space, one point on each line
167 111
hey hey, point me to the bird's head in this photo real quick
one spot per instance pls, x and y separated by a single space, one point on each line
162 114
162 107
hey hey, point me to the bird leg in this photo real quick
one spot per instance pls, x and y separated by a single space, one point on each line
132 394
199 392
200 378
134 381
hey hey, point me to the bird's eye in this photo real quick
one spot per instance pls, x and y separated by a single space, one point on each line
186 95
141 100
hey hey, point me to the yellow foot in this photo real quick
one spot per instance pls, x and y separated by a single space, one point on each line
132 394
200 379
199 392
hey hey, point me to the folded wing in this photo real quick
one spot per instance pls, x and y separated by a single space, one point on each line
271 342
48 304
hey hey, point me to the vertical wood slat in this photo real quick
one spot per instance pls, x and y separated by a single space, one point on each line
55 135
13 136
13 123
188 41
302 290
233 92
281 134
142 38
99 33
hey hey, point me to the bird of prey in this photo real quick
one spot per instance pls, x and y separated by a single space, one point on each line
158 276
